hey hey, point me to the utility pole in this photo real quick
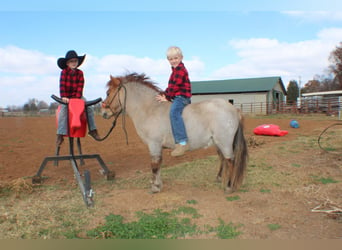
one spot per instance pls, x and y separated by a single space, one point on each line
299 86
299 99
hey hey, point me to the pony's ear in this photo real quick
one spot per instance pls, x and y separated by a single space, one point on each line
114 80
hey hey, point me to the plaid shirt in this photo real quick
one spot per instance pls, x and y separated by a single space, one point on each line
71 83
179 83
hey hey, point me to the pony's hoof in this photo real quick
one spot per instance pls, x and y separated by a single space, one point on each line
228 190
218 179
155 189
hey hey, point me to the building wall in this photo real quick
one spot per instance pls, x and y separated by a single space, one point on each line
278 88
276 97
246 102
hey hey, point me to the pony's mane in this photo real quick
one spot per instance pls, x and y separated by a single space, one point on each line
141 79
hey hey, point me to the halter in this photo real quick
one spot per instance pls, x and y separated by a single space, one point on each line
122 111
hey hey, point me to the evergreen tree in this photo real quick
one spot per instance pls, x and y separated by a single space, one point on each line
292 92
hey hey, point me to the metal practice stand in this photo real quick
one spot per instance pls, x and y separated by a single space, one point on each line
83 183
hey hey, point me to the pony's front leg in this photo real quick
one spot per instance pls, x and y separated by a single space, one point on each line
156 179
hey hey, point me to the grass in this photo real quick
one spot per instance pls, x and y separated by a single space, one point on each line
44 213
59 213
199 173
187 210
296 165
159 225
263 190
233 198
191 202
261 175
227 231
273 227
324 180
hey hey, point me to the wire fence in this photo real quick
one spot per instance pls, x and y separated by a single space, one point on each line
331 107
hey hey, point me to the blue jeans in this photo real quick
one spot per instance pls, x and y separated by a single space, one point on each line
63 119
177 123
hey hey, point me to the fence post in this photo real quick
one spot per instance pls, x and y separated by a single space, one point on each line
261 108
339 107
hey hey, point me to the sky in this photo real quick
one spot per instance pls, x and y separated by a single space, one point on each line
219 40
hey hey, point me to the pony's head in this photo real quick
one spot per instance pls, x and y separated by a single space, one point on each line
114 102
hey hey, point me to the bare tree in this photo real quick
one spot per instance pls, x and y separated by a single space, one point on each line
336 67
320 83
311 86
42 105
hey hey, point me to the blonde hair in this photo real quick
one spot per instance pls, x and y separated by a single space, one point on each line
174 51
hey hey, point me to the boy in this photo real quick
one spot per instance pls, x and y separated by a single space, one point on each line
71 86
179 93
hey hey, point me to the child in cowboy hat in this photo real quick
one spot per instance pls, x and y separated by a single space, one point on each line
71 86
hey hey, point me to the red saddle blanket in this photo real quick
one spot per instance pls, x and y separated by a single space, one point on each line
269 129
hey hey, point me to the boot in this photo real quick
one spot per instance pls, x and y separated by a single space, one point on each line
59 140
94 134
180 150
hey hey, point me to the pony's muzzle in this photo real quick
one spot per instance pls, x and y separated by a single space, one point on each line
105 115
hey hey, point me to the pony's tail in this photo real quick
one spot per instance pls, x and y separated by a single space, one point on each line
240 157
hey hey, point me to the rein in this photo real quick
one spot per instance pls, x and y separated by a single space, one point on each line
122 111
320 136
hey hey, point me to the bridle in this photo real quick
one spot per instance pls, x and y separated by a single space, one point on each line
122 111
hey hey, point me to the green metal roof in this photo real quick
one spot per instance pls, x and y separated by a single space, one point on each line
262 84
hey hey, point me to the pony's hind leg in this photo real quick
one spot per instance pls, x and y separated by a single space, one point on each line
156 182
225 172
227 182
222 163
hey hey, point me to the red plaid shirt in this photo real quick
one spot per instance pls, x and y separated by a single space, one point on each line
179 83
71 83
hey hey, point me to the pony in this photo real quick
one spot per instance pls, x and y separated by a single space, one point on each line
210 122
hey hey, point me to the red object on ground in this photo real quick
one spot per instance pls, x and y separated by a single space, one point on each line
269 129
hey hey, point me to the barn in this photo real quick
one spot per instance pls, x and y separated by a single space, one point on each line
262 95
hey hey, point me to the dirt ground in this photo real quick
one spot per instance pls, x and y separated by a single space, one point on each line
25 141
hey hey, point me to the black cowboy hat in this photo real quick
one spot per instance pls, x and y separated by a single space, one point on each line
61 62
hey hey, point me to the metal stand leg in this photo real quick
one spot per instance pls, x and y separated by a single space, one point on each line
80 150
57 154
71 145
86 191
